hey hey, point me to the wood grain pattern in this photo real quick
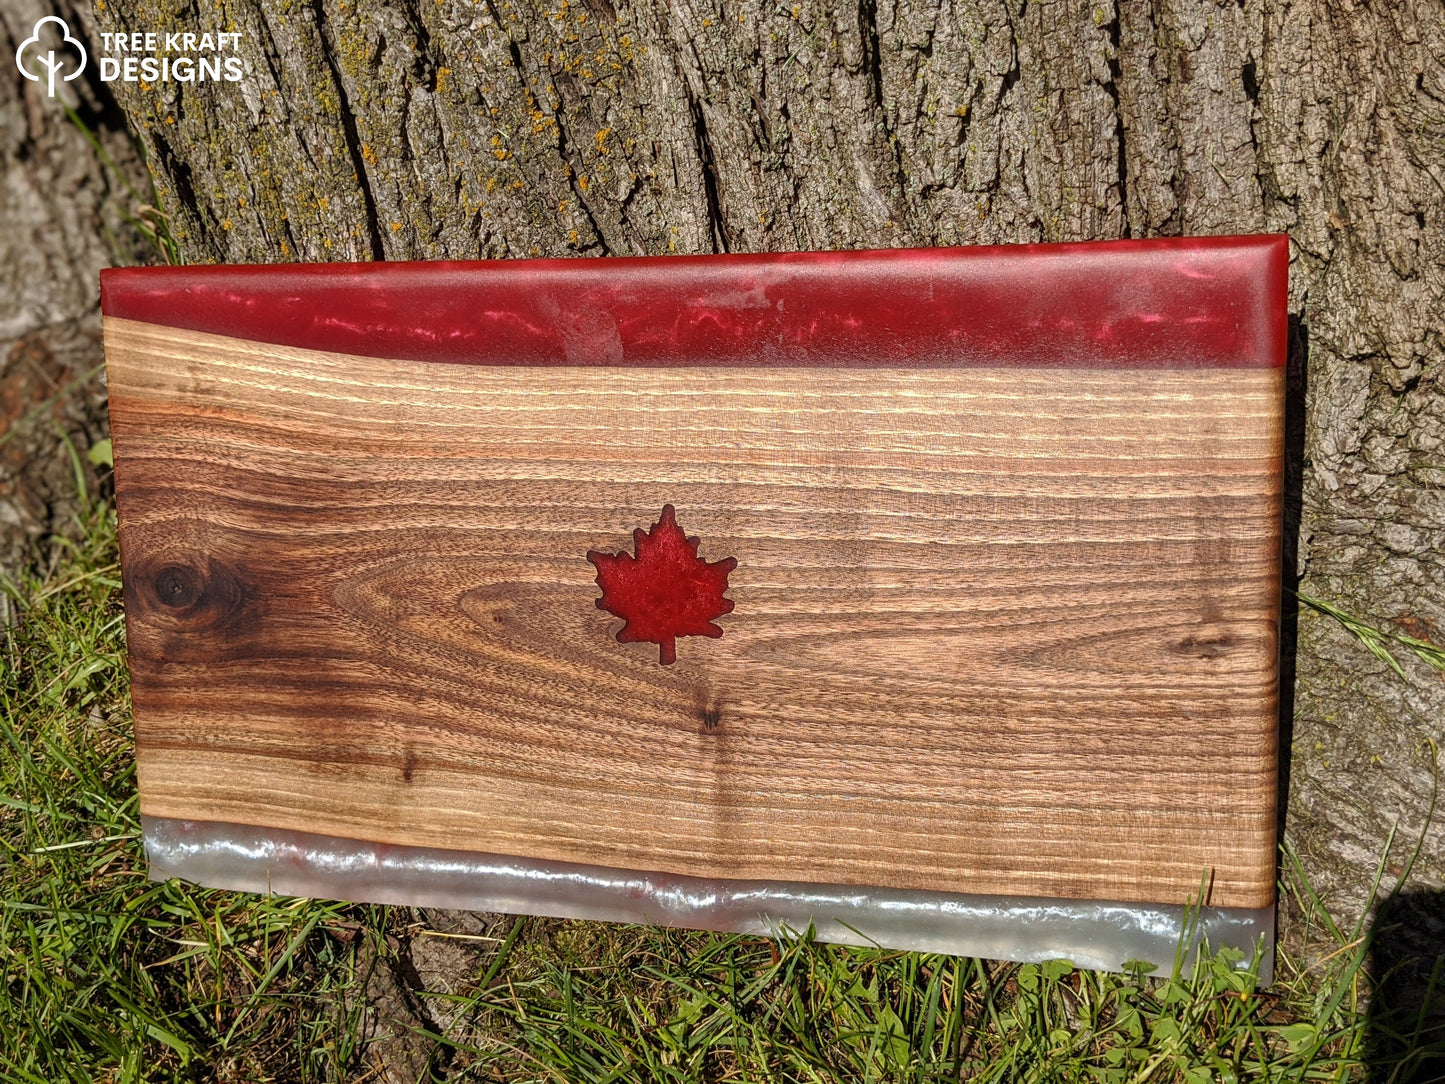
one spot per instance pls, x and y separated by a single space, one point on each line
996 631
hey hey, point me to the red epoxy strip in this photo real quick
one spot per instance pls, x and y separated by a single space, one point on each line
1166 303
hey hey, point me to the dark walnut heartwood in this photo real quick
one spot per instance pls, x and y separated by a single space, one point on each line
997 630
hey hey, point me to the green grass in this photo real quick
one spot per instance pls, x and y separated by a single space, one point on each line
109 976
143 216
1377 641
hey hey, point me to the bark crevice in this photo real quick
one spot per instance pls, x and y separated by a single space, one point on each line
1120 127
703 145
349 127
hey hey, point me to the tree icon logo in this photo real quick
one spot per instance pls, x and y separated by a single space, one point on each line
45 57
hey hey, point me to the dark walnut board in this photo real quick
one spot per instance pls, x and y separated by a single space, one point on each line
1006 528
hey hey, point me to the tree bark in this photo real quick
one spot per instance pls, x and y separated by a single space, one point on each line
64 214
450 129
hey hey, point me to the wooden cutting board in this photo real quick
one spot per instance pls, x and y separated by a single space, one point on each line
953 570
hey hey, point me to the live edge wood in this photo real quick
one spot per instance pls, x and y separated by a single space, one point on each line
1006 631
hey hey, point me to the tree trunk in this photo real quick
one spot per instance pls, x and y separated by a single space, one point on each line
64 217
450 129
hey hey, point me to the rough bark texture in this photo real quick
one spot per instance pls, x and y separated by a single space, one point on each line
506 128
63 219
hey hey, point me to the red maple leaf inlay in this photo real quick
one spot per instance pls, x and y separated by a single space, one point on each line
666 591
